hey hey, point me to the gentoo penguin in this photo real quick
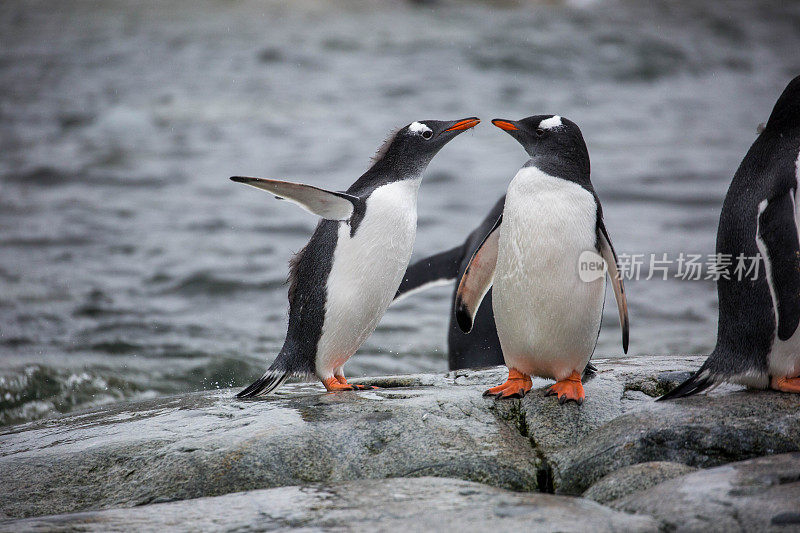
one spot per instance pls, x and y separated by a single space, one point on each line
342 281
758 343
547 310
481 347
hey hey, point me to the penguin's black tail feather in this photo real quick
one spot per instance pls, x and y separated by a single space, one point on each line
271 380
435 269
700 381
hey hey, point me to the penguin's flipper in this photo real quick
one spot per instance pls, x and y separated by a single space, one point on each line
329 205
610 256
777 232
477 279
431 271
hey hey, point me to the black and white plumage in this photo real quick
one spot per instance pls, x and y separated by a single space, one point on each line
343 280
481 347
758 343
547 317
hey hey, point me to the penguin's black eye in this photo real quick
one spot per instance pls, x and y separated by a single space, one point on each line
539 132
427 134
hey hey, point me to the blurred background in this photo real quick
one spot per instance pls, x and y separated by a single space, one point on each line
130 266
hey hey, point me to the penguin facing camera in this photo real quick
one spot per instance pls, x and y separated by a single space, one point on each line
342 281
758 343
481 347
547 314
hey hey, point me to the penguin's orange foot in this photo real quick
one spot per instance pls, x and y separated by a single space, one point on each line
516 386
785 384
568 389
339 383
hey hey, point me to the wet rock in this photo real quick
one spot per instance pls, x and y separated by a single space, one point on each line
370 505
619 425
634 478
209 443
757 495
699 432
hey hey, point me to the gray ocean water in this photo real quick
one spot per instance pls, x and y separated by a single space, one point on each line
130 266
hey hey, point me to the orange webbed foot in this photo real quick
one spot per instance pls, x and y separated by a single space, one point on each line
567 389
785 384
333 385
339 383
516 386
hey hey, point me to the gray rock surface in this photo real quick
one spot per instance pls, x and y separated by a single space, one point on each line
619 424
757 495
208 444
634 478
421 504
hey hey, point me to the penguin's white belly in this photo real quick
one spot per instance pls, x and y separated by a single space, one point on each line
784 357
547 318
367 270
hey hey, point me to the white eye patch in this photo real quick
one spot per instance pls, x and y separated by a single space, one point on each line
550 123
418 127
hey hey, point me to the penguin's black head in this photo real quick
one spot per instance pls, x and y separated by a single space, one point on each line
786 113
544 134
416 144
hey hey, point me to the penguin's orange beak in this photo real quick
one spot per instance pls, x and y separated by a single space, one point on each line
504 124
465 124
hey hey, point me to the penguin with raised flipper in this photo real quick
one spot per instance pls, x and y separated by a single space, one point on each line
758 343
342 281
547 313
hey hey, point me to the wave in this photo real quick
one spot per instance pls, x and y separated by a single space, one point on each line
38 391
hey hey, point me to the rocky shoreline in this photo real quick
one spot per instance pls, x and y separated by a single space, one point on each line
420 449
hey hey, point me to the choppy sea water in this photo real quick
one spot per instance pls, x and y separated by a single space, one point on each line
130 266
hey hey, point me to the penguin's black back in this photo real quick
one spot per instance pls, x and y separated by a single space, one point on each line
308 277
747 316
746 324
746 327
